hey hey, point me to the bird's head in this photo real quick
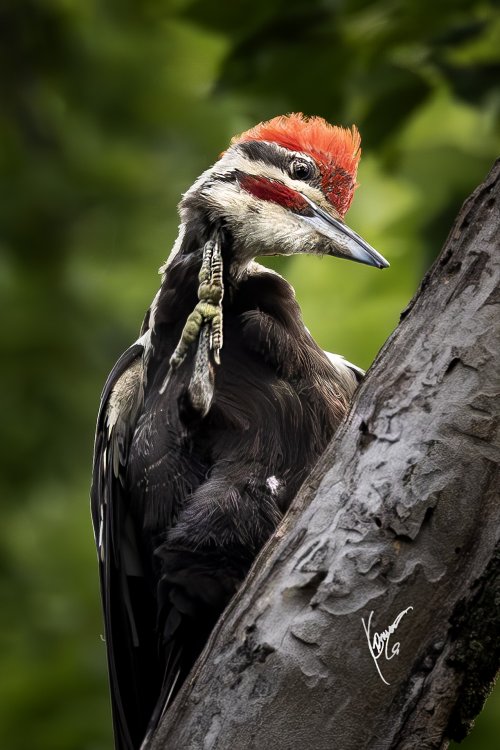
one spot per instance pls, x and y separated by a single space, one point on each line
283 187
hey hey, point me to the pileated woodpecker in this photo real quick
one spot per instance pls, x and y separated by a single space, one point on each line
209 423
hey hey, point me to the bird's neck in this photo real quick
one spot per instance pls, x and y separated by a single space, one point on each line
194 232
177 295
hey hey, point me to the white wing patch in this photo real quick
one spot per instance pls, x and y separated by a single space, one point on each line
273 484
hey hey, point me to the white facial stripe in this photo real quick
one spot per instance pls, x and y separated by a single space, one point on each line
236 201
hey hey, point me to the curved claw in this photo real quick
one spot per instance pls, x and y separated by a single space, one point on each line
204 324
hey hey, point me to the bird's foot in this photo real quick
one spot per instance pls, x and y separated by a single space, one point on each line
210 293
205 312
205 324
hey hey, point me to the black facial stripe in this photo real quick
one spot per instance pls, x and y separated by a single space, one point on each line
266 153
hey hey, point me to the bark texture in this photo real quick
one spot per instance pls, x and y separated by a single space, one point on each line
401 513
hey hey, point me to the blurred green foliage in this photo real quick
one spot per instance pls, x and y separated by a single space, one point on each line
109 110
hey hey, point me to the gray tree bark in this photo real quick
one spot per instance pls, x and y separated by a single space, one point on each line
371 618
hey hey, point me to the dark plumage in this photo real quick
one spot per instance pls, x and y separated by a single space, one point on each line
184 497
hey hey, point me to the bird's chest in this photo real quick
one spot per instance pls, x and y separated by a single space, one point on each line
258 419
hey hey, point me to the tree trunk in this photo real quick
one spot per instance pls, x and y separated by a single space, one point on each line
371 619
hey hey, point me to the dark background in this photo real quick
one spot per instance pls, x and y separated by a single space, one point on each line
108 111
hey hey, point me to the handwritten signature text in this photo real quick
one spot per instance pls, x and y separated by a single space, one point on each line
379 643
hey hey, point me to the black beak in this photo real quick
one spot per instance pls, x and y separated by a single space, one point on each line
346 243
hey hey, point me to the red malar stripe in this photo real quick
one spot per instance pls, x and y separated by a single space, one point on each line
270 190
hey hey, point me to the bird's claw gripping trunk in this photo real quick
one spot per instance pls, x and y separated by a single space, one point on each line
204 324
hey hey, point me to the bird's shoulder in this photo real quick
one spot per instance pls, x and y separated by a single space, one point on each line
123 387
271 326
263 289
119 405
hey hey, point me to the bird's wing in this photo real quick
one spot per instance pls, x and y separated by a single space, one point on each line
119 563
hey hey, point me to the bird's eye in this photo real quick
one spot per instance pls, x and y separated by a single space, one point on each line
301 170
